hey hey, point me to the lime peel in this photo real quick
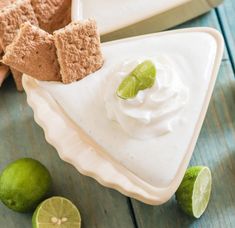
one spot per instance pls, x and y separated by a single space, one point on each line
193 194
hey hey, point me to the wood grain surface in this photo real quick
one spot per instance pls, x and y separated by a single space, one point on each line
100 207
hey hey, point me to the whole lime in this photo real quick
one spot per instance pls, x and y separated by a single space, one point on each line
24 184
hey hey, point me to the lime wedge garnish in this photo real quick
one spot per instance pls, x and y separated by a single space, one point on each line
128 88
142 77
194 192
56 212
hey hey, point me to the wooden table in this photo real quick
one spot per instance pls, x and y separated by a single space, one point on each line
100 207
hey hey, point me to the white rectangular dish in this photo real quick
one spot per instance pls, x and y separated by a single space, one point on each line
133 174
119 19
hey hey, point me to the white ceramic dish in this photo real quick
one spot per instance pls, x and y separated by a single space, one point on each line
118 19
83 153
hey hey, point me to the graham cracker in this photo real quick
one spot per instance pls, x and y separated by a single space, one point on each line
78 50
52 14
4 70
11 17
33 52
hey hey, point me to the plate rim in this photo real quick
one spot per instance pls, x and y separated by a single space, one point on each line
108 172
147 16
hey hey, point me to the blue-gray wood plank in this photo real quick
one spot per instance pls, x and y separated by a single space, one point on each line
101 207
225 14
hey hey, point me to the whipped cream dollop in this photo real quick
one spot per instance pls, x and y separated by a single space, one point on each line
153 112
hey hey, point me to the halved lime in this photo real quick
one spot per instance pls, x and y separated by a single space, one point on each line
142 77
193 194
24 184
56 212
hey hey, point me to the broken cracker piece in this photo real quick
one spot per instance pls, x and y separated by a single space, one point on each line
4 71
33 52
52 14
78 50
18 79
11 17
1 52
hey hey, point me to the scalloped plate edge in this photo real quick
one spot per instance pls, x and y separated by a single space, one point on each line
90 160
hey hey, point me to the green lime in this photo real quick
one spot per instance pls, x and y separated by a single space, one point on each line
142 77
128 88
56 212
23 184
193 194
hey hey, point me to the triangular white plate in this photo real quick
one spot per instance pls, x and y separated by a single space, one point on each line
148 170
114 15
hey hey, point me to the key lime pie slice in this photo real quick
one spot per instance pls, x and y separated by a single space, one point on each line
133 124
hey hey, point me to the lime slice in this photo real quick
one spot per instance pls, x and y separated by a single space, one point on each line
145 74
193 194
56 212
24 184
142 77
128 88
